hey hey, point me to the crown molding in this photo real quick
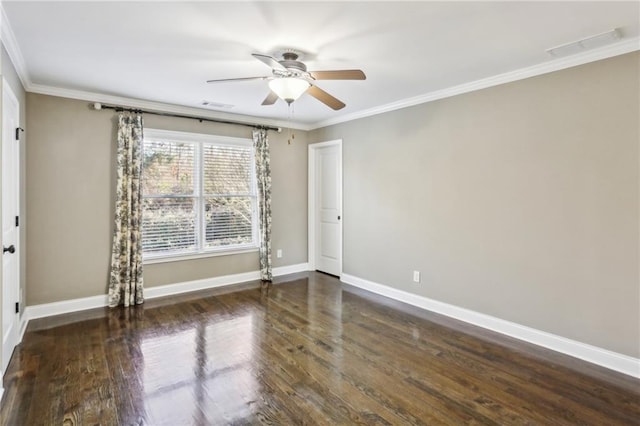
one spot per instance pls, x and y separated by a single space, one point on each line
13 49
156 106
605 52
8 39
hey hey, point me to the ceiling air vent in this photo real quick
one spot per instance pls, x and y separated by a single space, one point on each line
592 42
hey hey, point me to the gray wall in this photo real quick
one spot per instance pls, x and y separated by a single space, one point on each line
518 201
70 193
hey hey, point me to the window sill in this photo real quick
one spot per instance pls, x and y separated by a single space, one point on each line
191 256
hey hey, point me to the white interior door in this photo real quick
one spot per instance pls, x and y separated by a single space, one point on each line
10 234
326 189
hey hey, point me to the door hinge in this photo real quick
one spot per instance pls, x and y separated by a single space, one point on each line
18 129
17 307
17 221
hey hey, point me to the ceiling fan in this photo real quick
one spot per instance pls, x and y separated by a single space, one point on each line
291 79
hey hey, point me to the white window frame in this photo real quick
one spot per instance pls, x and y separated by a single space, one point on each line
199 139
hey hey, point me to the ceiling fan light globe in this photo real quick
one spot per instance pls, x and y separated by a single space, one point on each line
289 88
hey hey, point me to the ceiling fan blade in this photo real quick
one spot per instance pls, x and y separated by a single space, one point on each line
325 98
270 99
224 80
270 61
338 75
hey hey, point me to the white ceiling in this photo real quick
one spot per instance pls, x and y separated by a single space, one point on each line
165 51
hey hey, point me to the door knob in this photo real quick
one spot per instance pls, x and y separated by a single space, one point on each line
10 249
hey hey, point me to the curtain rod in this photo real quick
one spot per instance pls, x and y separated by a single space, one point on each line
98 106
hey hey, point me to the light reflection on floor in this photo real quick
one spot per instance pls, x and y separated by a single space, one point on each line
306 351
207 373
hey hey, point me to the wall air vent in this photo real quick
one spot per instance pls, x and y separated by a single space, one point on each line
210 104
592 42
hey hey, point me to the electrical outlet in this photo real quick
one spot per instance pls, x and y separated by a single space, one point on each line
416 276
279 253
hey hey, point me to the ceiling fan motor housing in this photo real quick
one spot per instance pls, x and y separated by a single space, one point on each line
290 61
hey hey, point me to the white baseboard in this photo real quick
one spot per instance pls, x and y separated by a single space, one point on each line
189 286
290 269
612 360
225 280
603 357
76 305
23 326
64 307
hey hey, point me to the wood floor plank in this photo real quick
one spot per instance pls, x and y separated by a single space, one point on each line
395 362
560 403
304 351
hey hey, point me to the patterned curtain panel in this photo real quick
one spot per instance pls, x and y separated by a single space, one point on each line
263 177
125 282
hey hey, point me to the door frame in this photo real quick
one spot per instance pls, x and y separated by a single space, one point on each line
311 224
8 94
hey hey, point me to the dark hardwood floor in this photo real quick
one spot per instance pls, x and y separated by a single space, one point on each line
306 350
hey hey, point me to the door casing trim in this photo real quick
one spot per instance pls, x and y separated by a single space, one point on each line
311 228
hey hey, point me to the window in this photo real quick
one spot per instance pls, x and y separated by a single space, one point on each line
199 194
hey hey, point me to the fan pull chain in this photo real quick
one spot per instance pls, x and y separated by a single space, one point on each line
290 119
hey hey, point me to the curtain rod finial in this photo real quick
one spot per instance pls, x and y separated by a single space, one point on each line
97 106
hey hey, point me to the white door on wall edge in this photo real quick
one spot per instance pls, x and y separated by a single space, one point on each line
10 233
325 199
